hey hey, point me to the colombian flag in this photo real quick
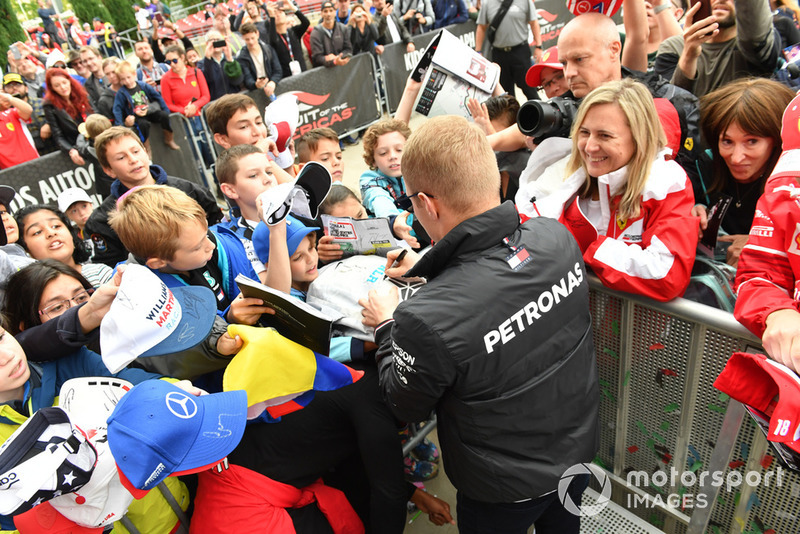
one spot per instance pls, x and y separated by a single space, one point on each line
278 374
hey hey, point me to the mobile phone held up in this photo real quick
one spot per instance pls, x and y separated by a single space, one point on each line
704 11
219 44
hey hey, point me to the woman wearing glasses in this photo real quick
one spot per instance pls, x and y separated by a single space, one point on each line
185 91
45 233
42 292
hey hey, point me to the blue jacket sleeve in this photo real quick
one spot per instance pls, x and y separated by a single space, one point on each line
379 202
120 107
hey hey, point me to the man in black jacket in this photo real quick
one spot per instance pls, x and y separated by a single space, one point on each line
498 341
390 29
260 66
123 157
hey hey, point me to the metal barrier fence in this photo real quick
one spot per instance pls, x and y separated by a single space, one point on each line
659 412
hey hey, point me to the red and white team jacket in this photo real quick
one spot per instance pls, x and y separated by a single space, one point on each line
768 275
651 255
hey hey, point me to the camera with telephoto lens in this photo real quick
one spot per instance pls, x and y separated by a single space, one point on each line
552 118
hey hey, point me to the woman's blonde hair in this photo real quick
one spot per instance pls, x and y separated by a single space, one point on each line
636 103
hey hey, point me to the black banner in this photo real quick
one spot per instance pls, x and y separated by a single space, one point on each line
343 98
40 181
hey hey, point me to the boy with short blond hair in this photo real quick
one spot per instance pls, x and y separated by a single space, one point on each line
124 158
166 230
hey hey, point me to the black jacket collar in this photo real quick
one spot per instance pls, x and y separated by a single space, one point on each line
475 234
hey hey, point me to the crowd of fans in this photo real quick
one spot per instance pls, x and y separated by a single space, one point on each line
253 48
668 125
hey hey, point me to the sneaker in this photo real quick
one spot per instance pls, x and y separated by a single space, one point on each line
418 470
426 451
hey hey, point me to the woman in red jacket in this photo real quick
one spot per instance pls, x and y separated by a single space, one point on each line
185 91
626 205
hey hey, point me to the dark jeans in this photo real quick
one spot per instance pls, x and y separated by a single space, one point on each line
546 512
514 65
143 123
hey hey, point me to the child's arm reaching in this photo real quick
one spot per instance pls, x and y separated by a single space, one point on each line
279 273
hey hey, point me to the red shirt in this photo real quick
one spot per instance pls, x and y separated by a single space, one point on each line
16 143
178 93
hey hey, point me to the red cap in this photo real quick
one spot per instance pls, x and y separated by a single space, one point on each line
790 128
755 380
549 59
44 519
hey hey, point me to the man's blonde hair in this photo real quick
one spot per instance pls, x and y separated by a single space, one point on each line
649 139
149 219
450 159
112 134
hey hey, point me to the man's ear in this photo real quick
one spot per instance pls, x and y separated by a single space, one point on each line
229 191
615 47
155 263
429 205
222 140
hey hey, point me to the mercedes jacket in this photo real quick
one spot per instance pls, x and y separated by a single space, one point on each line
499 342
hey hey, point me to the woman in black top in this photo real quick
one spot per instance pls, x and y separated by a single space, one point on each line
66 106
363 32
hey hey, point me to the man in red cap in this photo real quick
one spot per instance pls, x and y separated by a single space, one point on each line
548 74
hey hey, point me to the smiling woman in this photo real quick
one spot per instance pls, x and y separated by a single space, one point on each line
741 123
624 202
46 233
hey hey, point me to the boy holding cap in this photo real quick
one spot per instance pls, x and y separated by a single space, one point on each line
166 230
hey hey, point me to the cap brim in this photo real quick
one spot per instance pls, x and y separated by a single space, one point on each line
224 420
136 492
534 76
198 311
7 194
